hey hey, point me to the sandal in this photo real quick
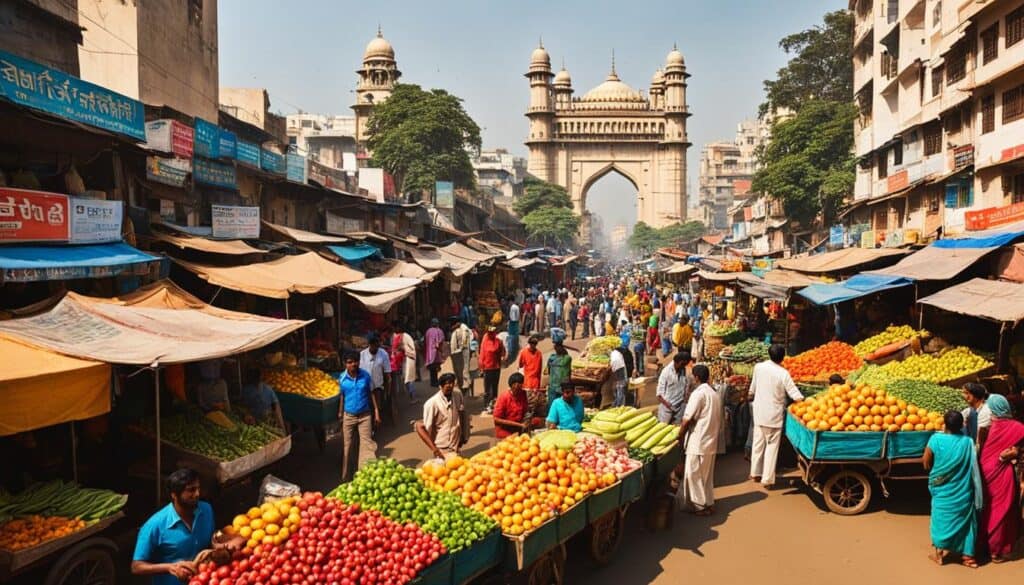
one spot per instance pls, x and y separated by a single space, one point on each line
998 560
968 562
704 512
939 556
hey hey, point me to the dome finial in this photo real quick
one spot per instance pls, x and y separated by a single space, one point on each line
674 47
540 41
613 63
380 33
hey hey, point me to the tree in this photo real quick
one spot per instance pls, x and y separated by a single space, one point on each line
821 69
646 238
537 194
552 225
421 137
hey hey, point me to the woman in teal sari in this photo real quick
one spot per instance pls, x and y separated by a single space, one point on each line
955 484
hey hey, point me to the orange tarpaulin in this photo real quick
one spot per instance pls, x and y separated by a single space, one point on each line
40 388
306 274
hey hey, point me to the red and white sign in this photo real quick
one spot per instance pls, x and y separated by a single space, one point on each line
897 181
1012 153
994 216
33 216
170 136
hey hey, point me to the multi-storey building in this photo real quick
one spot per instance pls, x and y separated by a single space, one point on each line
500 174
940 89
329 140
727 170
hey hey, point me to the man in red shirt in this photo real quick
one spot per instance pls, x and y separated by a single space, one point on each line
531 364
510 411
492 354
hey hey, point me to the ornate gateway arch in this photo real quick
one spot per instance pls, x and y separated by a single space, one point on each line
574 141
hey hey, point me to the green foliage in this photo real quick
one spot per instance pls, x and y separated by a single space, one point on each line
538 194
644 237
420 137
552 225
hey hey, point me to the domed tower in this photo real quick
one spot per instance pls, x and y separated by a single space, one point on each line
563 90
674 142
675 97
657 91
377 79
541 113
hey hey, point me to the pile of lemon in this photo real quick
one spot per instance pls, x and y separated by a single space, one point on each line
950 365
892 334
310 382
271 523
863 408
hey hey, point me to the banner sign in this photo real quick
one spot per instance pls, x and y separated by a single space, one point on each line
170 136
95 221
296 168
994 216
326 176
168 171
213 173
444 195
33 216
207 139
247 153
39 87
272 162
228 144
167 211
236 222
836 235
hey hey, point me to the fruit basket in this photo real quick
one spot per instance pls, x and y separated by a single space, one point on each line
309 411
13 561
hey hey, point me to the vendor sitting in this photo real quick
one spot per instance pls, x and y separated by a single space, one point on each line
566 412
212 392
260 399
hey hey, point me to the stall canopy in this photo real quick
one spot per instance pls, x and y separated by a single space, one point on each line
857 286
378 295
302 236
229 247
723 276
431 258
400 269
37 263
935 262
40 388
520 263
840 260
463 251
787 279
307 273
157 325
680 268
1011 264
354 252
989 299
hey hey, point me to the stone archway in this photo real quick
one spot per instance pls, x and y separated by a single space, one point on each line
630 171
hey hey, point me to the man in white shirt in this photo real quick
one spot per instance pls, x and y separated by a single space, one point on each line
618 365
770 383
460 342
551 322
376 362
702 422
513 329
673 387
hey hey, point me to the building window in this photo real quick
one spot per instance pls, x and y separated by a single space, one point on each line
195 11
988 114
897 154
953 121
933 203
883 164
1013 104
1013 187
959 194
990 43
932 139
890 65
937 81
1015 27
956 63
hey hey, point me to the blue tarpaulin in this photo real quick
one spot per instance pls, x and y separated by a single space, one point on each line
354 253
993 241
37 263
857 286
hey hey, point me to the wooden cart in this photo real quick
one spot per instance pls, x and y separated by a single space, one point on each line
82 557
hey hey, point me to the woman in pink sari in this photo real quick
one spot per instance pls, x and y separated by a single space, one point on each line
1000 518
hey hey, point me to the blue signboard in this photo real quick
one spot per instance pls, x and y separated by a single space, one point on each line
39 87
248 153
228 144
213 173
836 235
296 168
272 162
207 139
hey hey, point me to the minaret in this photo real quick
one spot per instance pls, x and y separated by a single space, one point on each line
675 97
563 90
377 79
541 114
657 92
674 143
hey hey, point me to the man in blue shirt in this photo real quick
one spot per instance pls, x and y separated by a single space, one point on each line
566 412
358 413
170 540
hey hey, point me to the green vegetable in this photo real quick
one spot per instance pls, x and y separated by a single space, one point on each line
634 434
636 421
640 454
192 431
747 350
558 439
67 500
929 395
656 439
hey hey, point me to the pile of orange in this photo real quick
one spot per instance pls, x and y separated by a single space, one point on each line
863 408
22 533
271 523
835 357
516 482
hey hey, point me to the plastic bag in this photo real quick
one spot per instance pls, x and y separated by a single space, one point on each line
274 488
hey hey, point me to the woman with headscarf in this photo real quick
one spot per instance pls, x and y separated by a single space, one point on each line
955 486
1000 518
432 344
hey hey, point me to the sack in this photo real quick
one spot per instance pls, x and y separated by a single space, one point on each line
274 488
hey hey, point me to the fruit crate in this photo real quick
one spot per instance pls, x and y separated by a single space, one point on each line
522 550
12 562
473 561
572 521
603 501
438 573
854 445
632 487
308 411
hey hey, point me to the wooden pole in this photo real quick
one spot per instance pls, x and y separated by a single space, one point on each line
74 453
159 474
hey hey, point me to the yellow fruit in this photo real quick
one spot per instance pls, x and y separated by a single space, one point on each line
272 529
240 521
258 535
254 512
257 523
245 532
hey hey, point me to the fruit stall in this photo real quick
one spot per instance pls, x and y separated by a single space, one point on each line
592 369
308 397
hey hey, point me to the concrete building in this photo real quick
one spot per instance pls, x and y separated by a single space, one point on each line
940 88
727 170
618 237
377 79
574 141
252 106
500 174
329 140
44 31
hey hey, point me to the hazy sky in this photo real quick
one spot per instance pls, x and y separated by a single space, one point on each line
305 53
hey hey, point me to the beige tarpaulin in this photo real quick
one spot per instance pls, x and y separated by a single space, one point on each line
990 299
400 269
465 252
306 274
302 236
233 247
837 260
723 276
680 268
1011 263
378 295
438 259
159 325
787 279
40 388
933 263
520 263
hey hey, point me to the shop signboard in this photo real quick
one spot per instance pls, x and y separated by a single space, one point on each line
326 176
95 221
167 211
33 216
990 217
836 235
42 88
227 144
170 136
1014 152
272 162
296 168
867 239
207 139
248 153
444 195
963 157
212 173
168 171
235 222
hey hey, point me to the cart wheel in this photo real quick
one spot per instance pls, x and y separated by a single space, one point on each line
549 569
847 492
88 563
605 536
